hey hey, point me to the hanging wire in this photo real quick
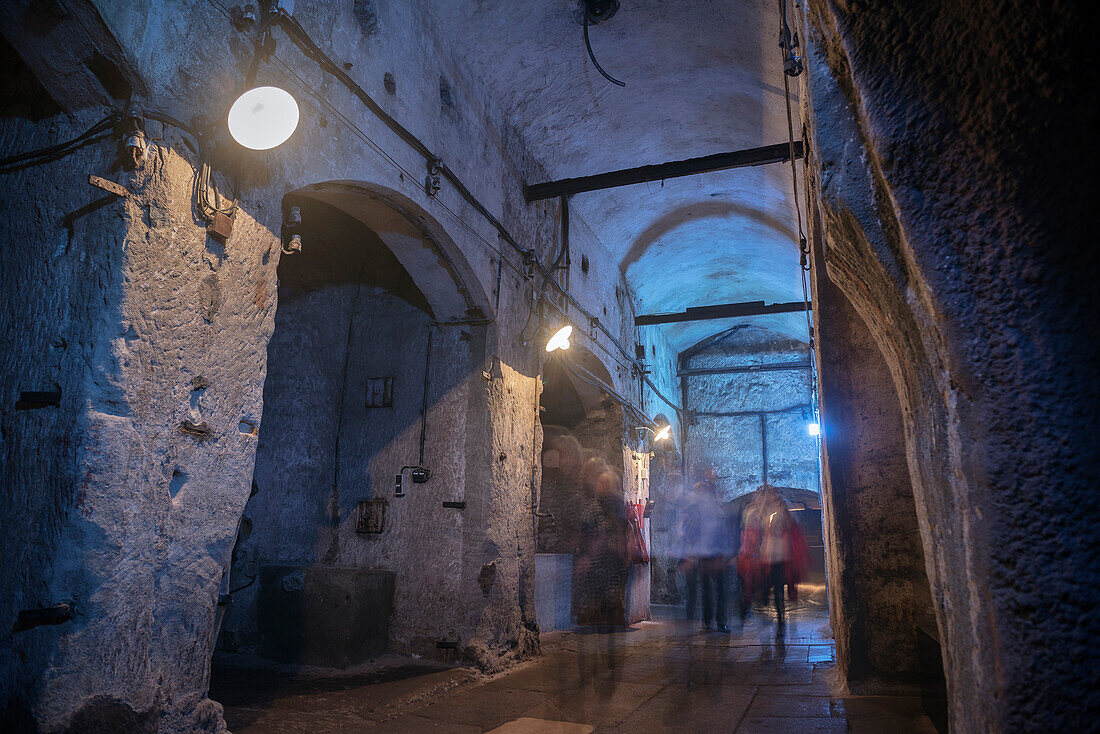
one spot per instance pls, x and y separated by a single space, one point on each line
588 378
588 45
794 69
404 173
106 127
53 152
302 40
546 280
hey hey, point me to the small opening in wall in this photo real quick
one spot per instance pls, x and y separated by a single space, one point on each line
584 264
446 95
21 94
108 74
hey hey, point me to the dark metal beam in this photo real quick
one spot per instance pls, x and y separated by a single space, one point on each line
774 367
778 153
723 311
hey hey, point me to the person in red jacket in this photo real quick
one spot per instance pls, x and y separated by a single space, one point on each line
774 555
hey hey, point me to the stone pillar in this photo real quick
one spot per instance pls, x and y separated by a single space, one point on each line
156 335
877 585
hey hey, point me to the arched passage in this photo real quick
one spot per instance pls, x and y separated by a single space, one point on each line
582 451
378 330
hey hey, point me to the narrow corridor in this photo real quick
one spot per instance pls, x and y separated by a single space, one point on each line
447 365
659 676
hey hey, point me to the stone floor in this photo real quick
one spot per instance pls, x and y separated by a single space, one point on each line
660 676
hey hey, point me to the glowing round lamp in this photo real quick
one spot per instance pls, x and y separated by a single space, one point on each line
662 434
263 118
814 429
560 340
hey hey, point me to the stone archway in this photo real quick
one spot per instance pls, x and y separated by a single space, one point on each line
374 372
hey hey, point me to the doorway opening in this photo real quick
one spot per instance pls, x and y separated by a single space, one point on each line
361 457
582 576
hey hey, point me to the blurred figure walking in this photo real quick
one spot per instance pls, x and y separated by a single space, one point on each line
707 548
773 554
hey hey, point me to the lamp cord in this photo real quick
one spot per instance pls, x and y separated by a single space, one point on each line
588 45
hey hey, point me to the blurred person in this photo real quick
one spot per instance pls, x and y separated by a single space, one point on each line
773 553
688 533
716 548
707 547
602 562
600 574
560 492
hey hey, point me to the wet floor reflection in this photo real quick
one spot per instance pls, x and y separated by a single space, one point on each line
664 675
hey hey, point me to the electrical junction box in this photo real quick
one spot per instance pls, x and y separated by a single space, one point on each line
220 227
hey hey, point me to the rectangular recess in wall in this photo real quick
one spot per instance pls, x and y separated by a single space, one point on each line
33 400
371 516
379 392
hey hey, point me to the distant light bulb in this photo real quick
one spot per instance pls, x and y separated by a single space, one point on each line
560 340
663 433
814 429
263 118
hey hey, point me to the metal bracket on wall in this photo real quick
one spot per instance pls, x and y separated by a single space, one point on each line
109 186
55 614
434 178
34 400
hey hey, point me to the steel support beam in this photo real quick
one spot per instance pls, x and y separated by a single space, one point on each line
778 153
723 311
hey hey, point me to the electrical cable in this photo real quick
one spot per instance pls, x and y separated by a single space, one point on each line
311 50
803 246
302 39
404 173
107 125
630 364
424 399
204 181
54 152
588 378
536 262
588 45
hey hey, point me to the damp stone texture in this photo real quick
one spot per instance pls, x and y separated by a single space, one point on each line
129 491
946 156
749 395
125 494
881 612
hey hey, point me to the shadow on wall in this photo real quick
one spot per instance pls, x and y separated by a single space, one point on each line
325 553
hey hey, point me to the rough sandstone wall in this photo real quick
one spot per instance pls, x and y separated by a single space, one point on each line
161 325
949 158
732 444
879 590
140 516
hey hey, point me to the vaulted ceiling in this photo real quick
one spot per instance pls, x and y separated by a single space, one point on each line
702 77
